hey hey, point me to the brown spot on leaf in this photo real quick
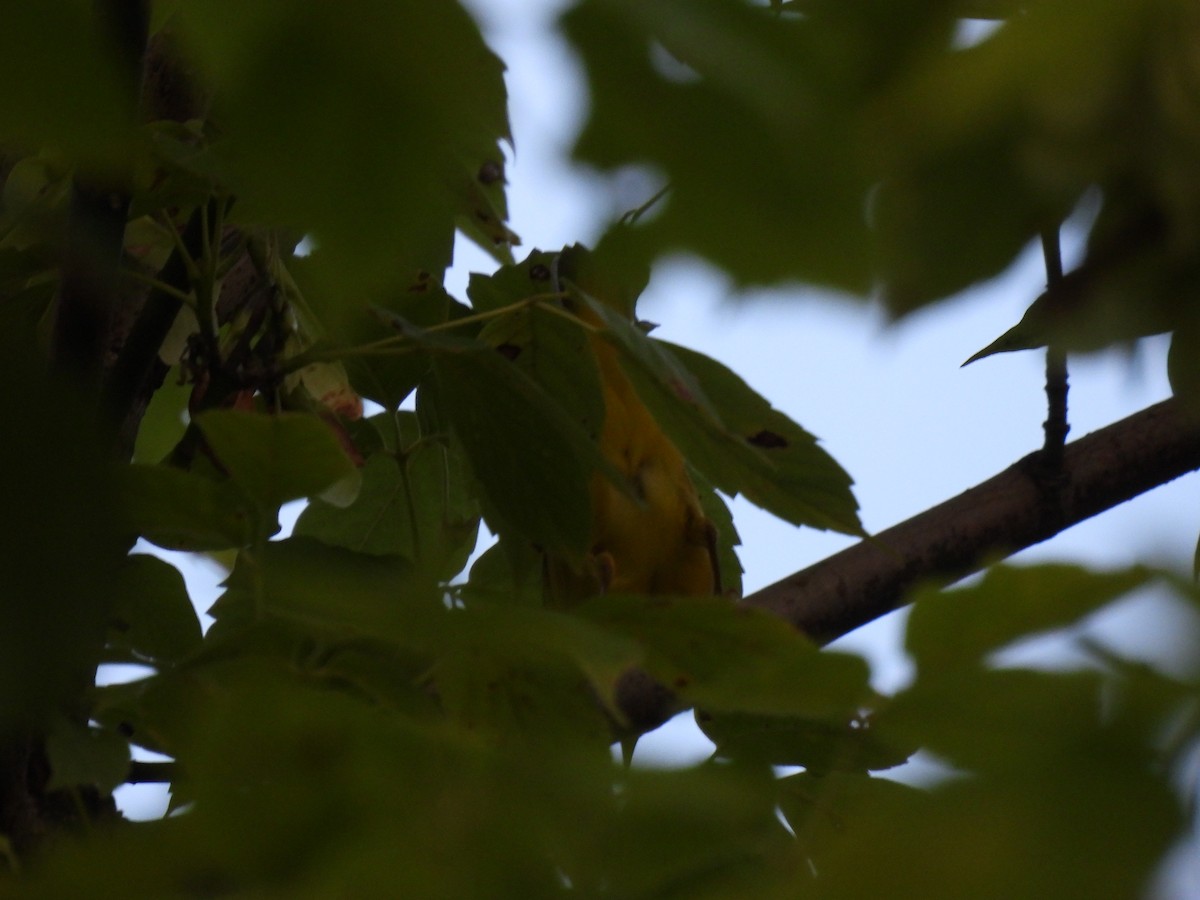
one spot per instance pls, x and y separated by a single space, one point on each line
421 283
680 682
768 440
509 351
539 272
490 172
681 390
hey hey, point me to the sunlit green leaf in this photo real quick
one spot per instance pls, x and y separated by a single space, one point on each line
163 424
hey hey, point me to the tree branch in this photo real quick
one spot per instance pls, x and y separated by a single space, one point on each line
992 520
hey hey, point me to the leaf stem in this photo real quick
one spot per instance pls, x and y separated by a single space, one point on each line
402 343
159 285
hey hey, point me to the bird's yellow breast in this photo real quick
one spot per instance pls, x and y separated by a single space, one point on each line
655 538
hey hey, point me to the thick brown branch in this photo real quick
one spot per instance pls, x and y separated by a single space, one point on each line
992 520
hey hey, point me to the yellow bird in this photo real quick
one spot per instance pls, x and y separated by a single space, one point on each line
653 538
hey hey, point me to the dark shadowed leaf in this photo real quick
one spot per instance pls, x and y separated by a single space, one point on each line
745 113
152 619
369 133
724 658
960 627
716 510
331 591
276 458
819 745
82 756
181 510
380 520
65 88
521 446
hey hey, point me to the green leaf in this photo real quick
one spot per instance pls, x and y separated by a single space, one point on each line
531 277
750 118
407 507
181 510
716 510
553 351
521 445
84 756
276 458
333 312
1002 720
164 422
378 199
447 514
382 674
960 217
505 574
823 807
152 619
332 591
703 831
956 628
378 522
1107 817
516 635
727 658
819 745
1082 314
802 484
487 208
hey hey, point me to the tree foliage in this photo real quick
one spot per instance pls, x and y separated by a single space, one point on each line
223 226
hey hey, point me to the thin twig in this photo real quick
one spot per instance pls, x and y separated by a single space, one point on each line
1056 426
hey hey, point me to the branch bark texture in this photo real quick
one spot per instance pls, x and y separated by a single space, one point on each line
1007 513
